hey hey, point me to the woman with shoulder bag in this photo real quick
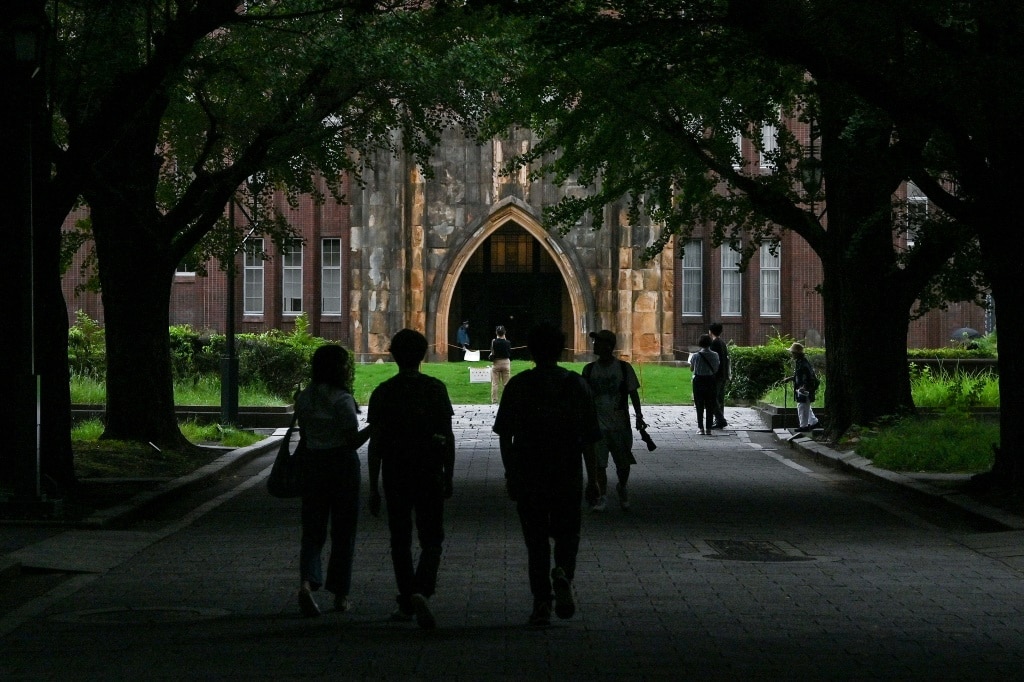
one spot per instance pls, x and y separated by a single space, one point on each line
331 475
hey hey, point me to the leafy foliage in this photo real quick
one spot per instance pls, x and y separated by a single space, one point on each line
86 347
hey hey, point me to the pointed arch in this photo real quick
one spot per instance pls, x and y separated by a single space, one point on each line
518 212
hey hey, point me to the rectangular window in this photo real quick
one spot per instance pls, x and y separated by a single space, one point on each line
771 281
291 279
330 280
732 281
252 277
737 141
693 278
917 212
769 144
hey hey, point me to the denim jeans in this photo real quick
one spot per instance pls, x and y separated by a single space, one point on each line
331 495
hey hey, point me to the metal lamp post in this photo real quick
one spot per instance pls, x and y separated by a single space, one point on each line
24 39
229 361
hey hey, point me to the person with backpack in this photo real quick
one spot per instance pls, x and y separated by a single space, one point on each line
805 385
612 382
547 427
704 364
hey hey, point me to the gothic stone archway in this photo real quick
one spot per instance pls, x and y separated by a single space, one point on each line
511 213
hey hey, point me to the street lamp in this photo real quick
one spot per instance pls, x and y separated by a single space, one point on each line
229 362
810 167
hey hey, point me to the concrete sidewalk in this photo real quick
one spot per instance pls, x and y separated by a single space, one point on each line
742 557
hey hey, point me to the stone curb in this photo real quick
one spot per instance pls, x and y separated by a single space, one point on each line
862 466
230 461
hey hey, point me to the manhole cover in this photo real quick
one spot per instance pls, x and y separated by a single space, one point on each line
754 550
142 615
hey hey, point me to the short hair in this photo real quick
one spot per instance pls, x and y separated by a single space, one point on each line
408 348
715 328
704 341
330 365
545 342
499 330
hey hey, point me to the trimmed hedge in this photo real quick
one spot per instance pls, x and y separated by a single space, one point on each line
755 369
276 360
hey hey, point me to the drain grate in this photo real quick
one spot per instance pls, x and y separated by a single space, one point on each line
753 550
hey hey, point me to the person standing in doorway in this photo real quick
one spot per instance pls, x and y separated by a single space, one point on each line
412 444
613 382
326 412
501 362
805 386
462 337
704 364
547 427
722 375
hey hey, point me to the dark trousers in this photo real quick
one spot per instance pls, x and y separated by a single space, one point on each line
554 518
720 383
427 506
330 495
704 399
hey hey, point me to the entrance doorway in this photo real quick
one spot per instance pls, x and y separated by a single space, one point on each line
511 281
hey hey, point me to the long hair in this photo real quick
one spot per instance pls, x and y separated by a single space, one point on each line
331 366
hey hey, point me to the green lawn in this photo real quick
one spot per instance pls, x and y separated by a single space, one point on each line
660 384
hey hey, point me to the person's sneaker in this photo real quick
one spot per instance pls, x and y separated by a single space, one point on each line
565 605
307 604
600 505
700 432
541 613
400 616
424 618
623 495
342 604
720 425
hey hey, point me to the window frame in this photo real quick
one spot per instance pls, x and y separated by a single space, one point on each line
692 275
291 278
331 270
732 282
771 291
253 263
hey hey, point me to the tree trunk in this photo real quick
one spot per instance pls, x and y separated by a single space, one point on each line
1001 255
135 275
866 297
866 327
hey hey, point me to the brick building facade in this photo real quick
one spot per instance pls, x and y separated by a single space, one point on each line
468 244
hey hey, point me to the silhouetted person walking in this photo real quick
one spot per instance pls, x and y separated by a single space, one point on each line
412 444
547 428
326 413
613 383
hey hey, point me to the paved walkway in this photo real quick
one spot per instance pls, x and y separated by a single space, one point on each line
741 558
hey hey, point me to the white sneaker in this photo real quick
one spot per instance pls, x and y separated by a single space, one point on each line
600 505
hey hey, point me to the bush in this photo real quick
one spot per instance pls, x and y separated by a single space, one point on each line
756 369
87 350
186 347
275 360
